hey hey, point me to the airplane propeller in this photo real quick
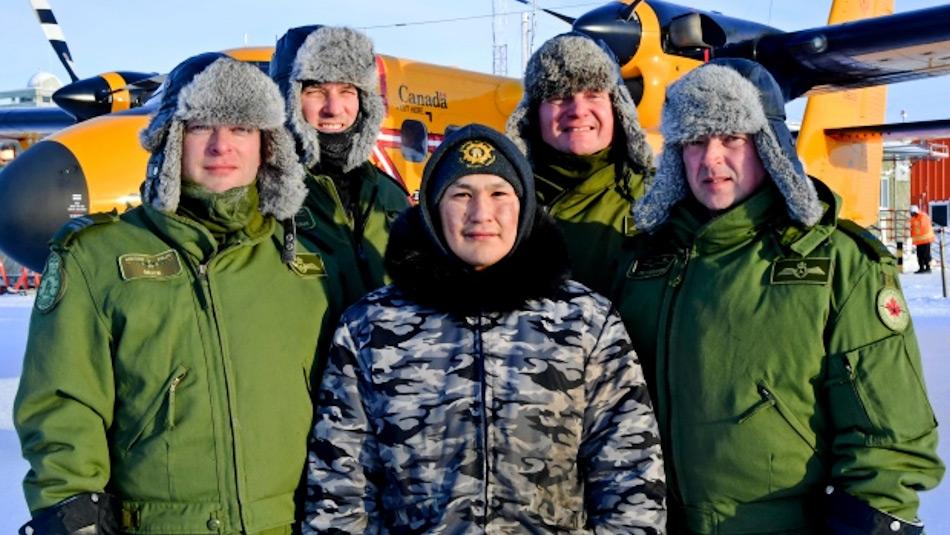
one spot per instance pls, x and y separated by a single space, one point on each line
54 34
565 18
107 93
617 25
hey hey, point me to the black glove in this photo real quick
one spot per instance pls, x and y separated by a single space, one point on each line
90 513
847 515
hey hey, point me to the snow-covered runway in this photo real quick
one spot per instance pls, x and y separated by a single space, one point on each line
930 312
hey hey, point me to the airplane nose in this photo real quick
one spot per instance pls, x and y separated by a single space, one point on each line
40 190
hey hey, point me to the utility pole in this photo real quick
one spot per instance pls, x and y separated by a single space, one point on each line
499 47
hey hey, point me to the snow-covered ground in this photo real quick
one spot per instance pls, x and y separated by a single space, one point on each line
930 312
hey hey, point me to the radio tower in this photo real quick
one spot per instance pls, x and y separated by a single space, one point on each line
499 47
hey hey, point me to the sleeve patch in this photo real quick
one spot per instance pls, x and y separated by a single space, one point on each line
53 285
892 309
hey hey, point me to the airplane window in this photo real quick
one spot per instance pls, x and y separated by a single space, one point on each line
415 140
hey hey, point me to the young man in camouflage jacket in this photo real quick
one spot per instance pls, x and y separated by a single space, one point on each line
482 391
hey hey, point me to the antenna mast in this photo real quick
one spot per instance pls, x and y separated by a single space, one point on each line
527 34
499 47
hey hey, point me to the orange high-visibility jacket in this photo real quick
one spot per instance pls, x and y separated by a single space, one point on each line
921 230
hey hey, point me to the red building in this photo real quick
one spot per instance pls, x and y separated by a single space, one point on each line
930 179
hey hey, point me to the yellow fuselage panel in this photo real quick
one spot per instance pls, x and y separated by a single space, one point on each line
112 160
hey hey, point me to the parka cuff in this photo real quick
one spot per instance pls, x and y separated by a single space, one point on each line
91 512
847 515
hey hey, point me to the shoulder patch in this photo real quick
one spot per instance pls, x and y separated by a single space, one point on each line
802 271
161 266
53 284
866 239
892 309
308 265
65 235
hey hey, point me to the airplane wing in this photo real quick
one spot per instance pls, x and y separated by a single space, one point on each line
19 123
864 53
917 130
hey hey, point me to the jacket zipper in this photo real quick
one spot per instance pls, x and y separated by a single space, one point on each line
235 464
771 400
356 224
675 492
172 388
483 382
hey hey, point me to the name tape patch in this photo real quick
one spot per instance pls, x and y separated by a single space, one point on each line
163 265
308 265
651 266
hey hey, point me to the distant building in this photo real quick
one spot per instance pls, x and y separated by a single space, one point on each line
38 92
930 183
905 166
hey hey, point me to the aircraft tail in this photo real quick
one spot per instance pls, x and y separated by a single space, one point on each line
849 163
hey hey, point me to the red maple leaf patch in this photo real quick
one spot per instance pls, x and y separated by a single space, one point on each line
894 308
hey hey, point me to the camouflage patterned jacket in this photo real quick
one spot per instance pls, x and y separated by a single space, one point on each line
530 415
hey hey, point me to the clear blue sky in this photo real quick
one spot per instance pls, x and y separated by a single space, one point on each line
106 35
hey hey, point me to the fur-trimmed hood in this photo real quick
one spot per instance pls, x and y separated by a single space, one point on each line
727 97
567 64
329 54
534 270
215 89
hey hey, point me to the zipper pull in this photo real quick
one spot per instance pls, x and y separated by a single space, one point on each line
768 400
171 399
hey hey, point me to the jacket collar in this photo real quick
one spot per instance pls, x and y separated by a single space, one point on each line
764 210
192 237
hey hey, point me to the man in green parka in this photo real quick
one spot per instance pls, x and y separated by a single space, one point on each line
786 373
578 126
334 110
166 384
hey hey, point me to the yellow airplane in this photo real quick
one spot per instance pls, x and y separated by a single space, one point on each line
97 165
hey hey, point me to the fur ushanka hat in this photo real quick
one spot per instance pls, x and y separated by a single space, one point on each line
567 64
715 99
215 89
322 54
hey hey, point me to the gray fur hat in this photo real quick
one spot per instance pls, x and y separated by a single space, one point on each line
716 99
324 54
216 89
570 63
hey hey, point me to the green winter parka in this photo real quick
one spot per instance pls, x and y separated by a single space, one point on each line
591 206
354 242
783 364
172 373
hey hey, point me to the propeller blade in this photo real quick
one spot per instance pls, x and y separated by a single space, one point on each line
54 34
616 26
565 18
